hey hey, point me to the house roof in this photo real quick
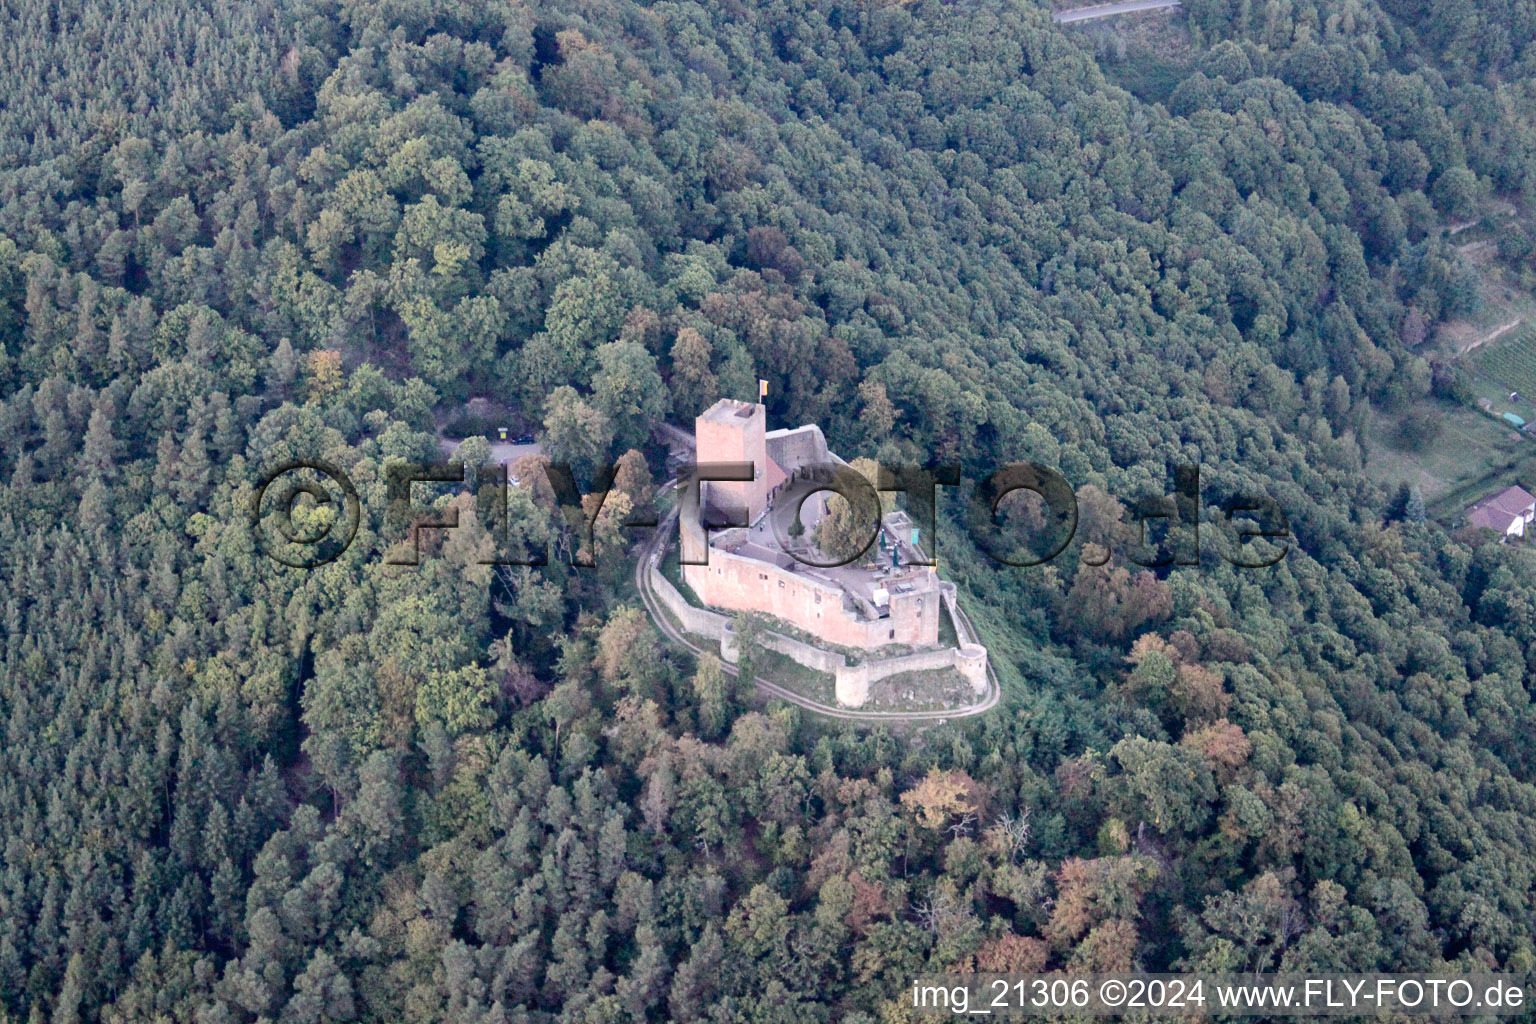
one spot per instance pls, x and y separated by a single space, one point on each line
1497 511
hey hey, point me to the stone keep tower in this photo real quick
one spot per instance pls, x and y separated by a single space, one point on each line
731 431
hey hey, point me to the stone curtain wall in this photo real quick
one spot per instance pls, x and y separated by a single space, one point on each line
694 620
801 446
745 584
852 682
802 653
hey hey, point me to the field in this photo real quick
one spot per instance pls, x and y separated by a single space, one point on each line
1472 453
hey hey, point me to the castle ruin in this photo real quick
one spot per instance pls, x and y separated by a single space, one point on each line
857 605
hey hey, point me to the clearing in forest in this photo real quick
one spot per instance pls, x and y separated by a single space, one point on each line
1440 447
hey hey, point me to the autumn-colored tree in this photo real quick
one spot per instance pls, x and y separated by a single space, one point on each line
940 797
626 647
1163 679
324 373
1091 892
877 413
1011 954
1222 744
633 477
1109 947
1109 603
608 540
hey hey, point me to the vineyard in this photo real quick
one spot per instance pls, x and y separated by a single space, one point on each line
1511 365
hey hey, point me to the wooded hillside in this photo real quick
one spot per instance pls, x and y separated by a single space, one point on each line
235 234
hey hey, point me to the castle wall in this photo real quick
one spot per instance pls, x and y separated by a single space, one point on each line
743 584
971 662
916 616
694 620
796 447
853 681
830 662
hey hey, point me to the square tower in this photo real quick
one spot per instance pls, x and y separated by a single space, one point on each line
731 431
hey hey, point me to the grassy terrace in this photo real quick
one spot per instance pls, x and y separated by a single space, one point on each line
672 570
920 691
1472 452
795 677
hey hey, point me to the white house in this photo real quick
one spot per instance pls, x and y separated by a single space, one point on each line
1507 513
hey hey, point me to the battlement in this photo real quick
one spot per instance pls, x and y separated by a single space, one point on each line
726 410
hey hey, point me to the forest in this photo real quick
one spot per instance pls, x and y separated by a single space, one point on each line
233 234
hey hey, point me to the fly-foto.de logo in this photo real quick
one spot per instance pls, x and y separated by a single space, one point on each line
306 513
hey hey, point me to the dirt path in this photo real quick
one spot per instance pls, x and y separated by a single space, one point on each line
1498 209
1493 335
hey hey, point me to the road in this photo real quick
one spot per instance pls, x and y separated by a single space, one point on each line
501 451
1105 10
651 553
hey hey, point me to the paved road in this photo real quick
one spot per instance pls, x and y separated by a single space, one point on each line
651 554
501 451
1105 10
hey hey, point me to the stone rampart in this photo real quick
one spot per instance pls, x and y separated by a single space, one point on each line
694 620
851 682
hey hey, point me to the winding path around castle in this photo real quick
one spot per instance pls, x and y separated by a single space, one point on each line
650 555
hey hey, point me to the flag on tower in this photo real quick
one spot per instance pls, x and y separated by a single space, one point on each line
762 388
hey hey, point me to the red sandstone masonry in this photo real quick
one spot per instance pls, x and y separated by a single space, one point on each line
730 431
722 434
744 584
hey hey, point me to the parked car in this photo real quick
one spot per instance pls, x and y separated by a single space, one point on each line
523 439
